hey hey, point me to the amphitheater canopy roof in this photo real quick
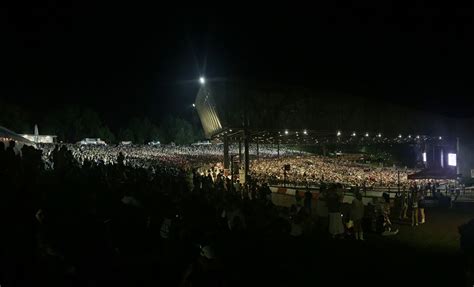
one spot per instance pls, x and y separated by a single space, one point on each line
7 135
267 109
315 137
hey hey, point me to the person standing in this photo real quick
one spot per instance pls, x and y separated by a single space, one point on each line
253 193
404 204
322 210
297 197
308 197
237 186
414 208
296 226
357 214
206 270
336 227
421 205
387 223
245 192
268 193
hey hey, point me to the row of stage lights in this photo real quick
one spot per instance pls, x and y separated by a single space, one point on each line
286 132
354 134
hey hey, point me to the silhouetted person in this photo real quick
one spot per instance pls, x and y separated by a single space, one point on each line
357 214
336 227
204 271
308 198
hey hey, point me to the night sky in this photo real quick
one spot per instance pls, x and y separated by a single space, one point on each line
128 61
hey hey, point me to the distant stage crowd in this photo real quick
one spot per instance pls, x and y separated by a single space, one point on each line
305 169
312 169
168 156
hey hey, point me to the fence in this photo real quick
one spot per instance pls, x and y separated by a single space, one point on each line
367 196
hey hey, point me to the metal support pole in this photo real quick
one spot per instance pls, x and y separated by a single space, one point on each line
232 169
433 157
257 149
226 152
398 180
240 150
426 155
278 148
457 156
246 151
442 157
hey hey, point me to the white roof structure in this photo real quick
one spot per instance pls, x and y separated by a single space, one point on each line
40 138
7 135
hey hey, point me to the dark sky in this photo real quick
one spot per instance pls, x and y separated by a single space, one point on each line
126 61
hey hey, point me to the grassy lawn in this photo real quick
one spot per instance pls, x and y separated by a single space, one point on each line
427 255
440 230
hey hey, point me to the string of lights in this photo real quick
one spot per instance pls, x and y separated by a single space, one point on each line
306 136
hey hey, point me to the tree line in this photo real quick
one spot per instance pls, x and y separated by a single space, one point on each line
74 123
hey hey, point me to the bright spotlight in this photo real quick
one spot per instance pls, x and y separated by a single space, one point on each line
353 134
338 133
399 136
379 135
305 132
286 132
409 136
440 138
417 137
367 135
202 80
194 105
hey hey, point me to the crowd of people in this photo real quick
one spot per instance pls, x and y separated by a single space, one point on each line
305 169
180 157
85 215
268 166
143 156
312 169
